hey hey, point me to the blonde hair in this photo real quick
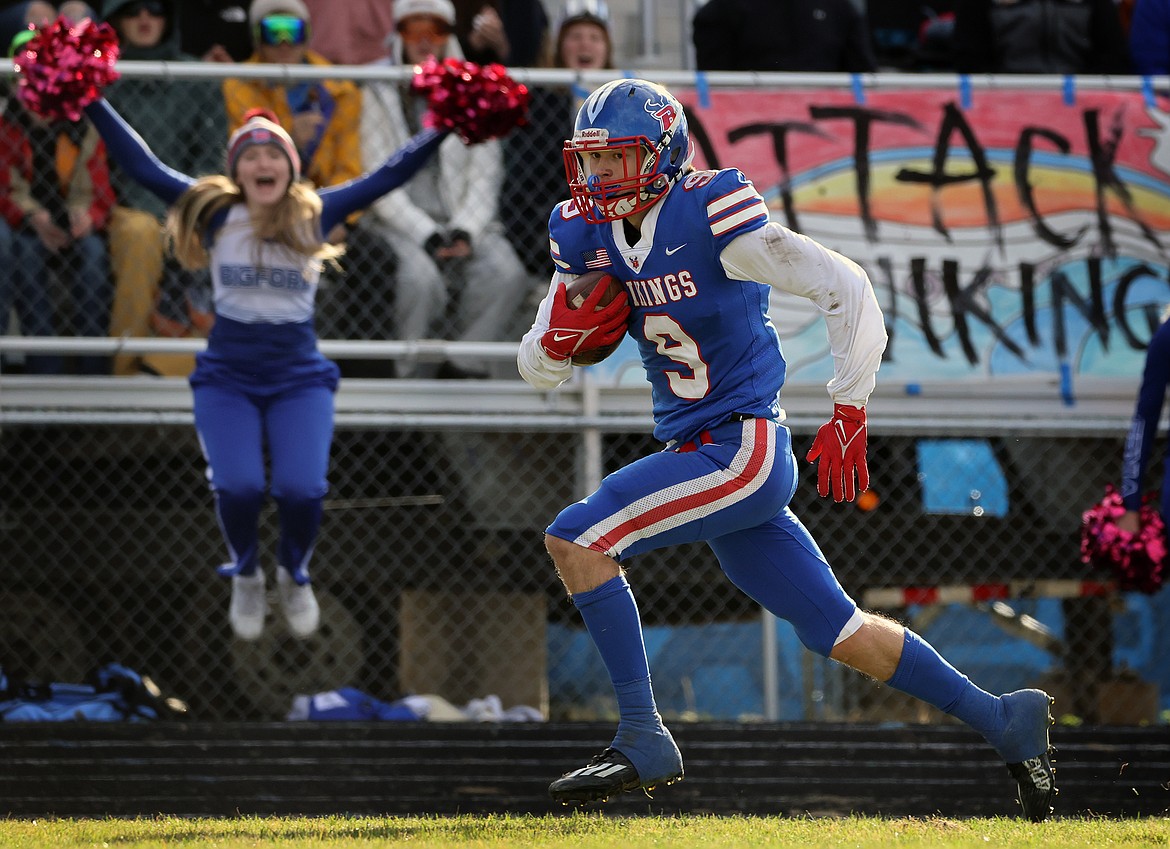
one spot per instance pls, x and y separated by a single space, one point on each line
294 221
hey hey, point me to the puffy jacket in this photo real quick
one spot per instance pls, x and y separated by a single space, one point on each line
337 155
1039 37
83 175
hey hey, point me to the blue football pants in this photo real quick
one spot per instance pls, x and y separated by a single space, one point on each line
296 426
731 491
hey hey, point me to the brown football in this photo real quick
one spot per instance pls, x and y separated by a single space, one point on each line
577 293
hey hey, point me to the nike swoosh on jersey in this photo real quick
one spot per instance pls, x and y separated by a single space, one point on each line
672 251
557 337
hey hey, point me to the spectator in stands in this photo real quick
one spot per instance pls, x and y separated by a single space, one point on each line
1039 37
321 116
511 32
1143 431
16 15
262 383
352 32
215 30
909 35
180 120
583 41
55 199
533 154
781 35
1149 37
444 226
324 119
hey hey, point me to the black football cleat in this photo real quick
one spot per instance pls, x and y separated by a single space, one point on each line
607 774
1025 747
1036 785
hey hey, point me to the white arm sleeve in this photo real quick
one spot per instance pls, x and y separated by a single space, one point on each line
535 366
841 290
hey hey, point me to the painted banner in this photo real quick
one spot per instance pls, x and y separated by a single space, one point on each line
1006 231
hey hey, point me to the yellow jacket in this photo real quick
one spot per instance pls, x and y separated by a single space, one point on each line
336 156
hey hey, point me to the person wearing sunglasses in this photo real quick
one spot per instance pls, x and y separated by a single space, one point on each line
323 118
154 297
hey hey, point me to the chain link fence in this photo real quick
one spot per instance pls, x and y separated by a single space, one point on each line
432 577
430 566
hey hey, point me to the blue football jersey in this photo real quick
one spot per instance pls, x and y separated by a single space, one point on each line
706 342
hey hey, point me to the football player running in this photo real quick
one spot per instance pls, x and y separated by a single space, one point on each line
697 255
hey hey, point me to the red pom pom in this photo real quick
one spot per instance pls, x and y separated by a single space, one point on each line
478 103
260 112
1136 560
65 66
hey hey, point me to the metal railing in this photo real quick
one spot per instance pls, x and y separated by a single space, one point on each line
431 552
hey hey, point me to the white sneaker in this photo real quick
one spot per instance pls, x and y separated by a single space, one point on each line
301 611
249 605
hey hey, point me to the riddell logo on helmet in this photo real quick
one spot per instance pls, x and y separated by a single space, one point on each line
591 135
664 113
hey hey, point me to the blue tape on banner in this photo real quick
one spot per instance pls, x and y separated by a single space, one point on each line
1148 92
858 89
1070 90
1066 385
703 90
965 91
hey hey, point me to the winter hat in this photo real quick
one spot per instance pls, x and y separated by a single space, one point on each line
592 11
261 127
261 9
444 10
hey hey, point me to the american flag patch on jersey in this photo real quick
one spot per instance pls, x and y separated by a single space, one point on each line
596 259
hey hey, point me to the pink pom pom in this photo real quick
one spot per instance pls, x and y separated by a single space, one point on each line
478 103
1136 560
65 66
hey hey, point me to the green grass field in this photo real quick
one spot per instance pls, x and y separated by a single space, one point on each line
580 831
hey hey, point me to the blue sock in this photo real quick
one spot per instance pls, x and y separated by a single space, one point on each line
611 616
924 674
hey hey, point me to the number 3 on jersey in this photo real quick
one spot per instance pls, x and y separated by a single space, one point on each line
674 343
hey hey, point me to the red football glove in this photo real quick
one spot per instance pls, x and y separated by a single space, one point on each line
840 445
575 331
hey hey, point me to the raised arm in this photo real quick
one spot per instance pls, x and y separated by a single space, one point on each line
338 202
500 104
133 155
